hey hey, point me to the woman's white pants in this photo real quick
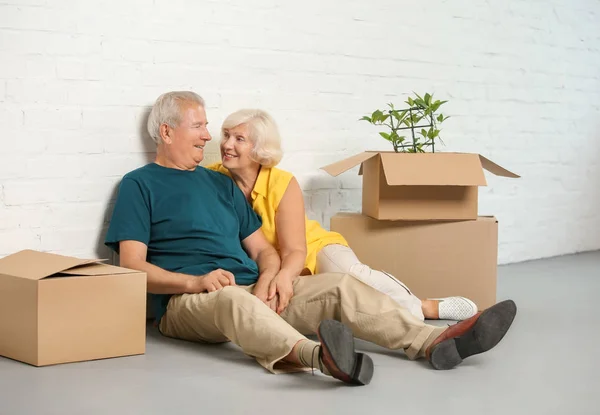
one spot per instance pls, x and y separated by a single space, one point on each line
340 258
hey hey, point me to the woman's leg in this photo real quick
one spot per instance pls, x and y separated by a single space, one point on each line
340 258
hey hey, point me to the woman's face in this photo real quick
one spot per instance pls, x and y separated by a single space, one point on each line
236 148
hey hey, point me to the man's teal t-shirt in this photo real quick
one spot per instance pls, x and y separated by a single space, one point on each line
192 222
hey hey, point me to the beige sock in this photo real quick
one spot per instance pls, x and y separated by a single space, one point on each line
308 354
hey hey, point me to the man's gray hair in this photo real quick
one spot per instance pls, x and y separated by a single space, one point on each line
167 110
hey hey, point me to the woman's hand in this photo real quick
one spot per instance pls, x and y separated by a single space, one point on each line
281 286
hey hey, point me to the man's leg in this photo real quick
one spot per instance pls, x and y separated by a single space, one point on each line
231 314
372 316
234 314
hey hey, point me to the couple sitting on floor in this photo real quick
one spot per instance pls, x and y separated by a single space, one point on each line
231 256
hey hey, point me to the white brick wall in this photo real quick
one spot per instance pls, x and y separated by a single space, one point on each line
522 78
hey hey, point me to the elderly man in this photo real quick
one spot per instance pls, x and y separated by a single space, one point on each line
209 267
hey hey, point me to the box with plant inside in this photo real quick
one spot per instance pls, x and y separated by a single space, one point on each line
411 183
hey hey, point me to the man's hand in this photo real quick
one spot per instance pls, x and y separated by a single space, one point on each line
261 290
282 287
213 281
273 303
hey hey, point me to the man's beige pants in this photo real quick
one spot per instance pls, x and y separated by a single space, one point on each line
234 314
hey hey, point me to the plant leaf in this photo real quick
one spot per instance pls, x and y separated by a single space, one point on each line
386 136
420 103
365 118
427 98
376 116
399 115
416 118
430 133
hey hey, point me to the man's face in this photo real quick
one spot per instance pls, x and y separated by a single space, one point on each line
187 140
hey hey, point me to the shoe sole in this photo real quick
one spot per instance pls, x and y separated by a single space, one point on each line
486 333
337 346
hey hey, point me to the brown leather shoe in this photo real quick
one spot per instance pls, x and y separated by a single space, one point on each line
475 335
338 355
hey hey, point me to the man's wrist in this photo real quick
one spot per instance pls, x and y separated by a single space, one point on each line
267 276
191 283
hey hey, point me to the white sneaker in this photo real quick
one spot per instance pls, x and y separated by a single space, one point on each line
456 308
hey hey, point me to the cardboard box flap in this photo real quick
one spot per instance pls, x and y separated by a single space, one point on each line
341 166
496 169
433 169
98 269
35 265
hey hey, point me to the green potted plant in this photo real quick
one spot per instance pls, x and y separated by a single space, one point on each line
421 118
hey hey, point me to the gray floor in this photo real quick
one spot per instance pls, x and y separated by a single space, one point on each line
546 364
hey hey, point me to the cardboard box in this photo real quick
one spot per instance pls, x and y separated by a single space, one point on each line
433 259
422 186
58 309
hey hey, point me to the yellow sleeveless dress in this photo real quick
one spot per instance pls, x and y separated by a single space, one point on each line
268 191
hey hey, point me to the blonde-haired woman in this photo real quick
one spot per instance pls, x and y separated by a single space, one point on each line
250 150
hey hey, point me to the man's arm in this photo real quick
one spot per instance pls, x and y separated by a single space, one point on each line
160 281
261 251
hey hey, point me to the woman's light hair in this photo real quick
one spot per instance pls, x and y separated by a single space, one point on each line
263 133
167 110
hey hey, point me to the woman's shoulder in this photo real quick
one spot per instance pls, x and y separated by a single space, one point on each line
280 175
279 182
218 167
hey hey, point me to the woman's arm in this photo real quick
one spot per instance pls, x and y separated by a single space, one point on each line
290 227
291 231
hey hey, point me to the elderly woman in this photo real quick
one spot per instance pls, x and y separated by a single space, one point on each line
250 150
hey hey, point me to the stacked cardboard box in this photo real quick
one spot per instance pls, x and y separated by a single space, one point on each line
420 222
59 309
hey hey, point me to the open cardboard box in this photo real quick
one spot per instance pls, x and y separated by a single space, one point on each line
421 186
433 259
58 309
